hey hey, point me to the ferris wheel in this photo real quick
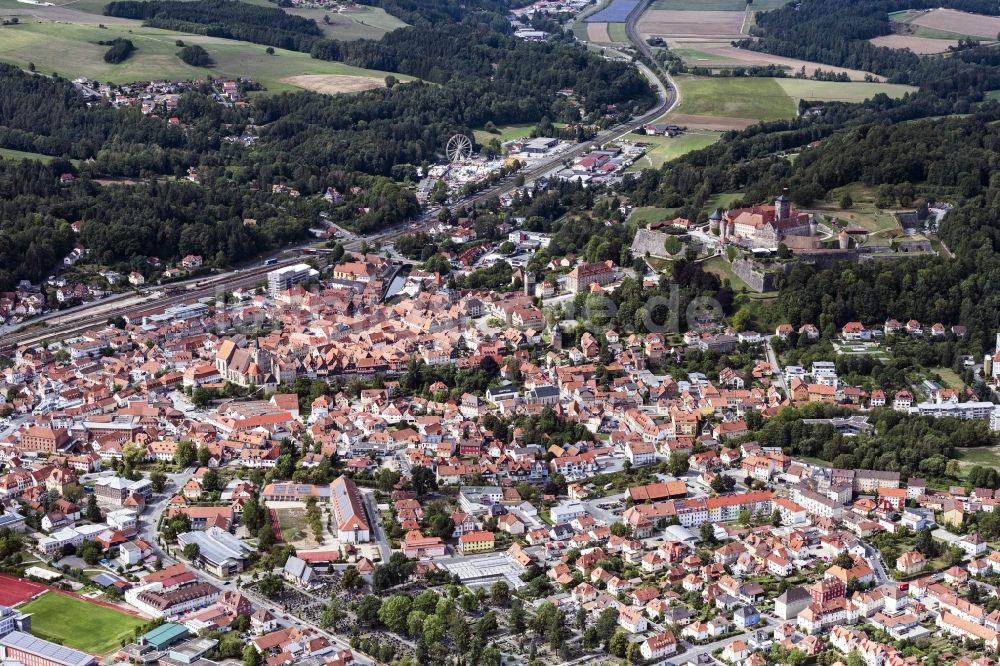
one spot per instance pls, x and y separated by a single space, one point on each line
459 148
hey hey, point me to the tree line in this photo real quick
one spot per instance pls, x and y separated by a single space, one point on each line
910 445
223 18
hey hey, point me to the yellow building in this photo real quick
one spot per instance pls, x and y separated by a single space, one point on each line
476 542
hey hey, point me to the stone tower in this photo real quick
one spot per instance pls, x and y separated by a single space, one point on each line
783 206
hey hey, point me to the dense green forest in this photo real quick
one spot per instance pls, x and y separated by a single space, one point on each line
46 115
223 18
948 159
167 218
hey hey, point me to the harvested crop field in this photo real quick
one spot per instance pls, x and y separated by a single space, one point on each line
960 23
919 45
719 5
330 84
692 25
837 91
712 123
598 32
730 56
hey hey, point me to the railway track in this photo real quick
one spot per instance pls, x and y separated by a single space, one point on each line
35 333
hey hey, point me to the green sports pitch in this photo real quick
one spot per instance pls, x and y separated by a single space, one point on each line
78 624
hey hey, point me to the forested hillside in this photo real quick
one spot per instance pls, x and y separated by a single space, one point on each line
166 218
223 18
949 159
474 72
45 115
836 32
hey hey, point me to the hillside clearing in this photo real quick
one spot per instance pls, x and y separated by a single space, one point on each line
73 51
644 215
882 224
11 154
730 97
665 148
721 103
919 45
358 22
330 84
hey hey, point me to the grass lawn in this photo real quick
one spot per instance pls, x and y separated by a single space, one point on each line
506 133
862 213
72 51
694 55
11 154
769 98
904 16
293 524
659 265
359 23
644 215
720 267
509 132
980 455
727 97
949 377
666 148
934 33
365 23
78 624
723 200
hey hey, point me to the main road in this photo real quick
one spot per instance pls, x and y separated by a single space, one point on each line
384 546
667 98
